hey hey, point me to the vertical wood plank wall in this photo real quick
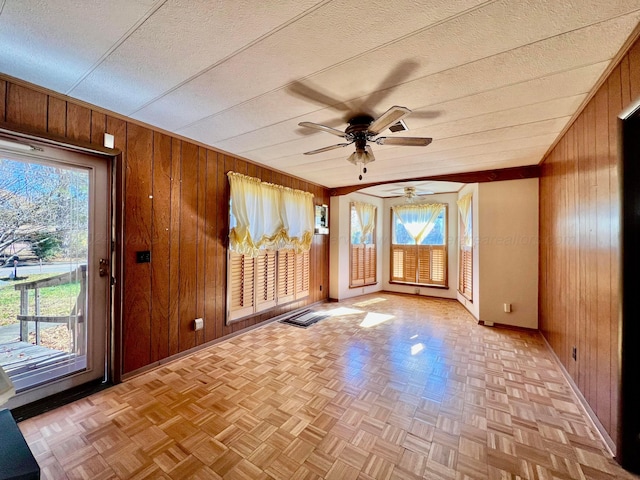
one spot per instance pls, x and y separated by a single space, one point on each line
176 201
579 253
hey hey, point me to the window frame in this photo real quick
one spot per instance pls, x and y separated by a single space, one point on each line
465 254
369 255
419 249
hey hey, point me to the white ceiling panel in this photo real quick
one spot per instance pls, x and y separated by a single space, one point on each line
492 82
55 44
514 66
290 54
159 55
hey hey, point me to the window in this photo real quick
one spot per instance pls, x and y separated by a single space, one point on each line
418 245
465 263
362 249
270 236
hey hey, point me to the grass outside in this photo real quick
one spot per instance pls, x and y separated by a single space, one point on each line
54 301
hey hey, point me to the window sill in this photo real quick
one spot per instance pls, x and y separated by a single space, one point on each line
363 285
468 298
425 285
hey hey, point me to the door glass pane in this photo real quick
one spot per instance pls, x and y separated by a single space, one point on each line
44 239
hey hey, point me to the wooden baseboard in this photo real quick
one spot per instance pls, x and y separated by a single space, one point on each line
604 435
177 356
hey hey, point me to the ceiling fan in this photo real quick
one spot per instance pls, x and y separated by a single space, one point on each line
363 129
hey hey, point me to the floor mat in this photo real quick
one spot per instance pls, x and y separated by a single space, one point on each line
304 319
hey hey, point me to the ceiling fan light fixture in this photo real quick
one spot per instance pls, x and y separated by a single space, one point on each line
361 156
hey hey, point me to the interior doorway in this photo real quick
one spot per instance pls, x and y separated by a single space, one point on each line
55 237
628 442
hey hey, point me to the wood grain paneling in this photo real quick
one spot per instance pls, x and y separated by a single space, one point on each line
201 254
26 107
614 86
222 231
118 128
98 127
57 116
174 201
634 71
579 252
3 98
174 257
78 122
211 247
137 224
160 246
188 246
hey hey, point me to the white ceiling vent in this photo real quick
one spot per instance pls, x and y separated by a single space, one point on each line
399 127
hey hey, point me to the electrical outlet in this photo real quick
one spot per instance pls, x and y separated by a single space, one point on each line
574 353
417 291
198 324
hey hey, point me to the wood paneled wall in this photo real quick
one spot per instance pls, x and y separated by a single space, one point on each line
175 204
579 252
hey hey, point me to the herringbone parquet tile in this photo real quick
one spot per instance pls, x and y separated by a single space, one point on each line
389 387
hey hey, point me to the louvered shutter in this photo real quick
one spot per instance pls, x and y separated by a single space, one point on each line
265 280
286 276
424 263
241 285
302 275
438 265
370 262
465 284
357 265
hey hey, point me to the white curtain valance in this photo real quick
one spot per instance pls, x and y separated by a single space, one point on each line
268 216
464 207
366 214
418 219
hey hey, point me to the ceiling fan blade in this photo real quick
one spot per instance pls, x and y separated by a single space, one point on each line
400 74
388 118
313 93
324 128
326 149
409 141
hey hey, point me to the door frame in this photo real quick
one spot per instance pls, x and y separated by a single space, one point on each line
628 439
113 157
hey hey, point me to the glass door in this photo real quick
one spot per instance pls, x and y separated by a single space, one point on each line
54 226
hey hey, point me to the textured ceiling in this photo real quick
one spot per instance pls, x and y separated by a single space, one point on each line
493 83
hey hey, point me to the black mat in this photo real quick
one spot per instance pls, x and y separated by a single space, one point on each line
304 319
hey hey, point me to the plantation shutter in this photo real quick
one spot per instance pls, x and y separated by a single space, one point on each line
302 275
265 280
397 255
424 266
405 263
438 265
370 262
241 285
286 276
466 272
357 264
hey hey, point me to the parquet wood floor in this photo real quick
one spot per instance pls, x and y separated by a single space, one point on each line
390 387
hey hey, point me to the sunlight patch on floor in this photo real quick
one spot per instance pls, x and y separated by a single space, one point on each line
370 302
373 319
417 348
342 311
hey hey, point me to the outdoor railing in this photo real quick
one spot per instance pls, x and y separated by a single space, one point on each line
76 317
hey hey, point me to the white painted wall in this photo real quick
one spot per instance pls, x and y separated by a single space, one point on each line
507 240
339 233
452 252
472 305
